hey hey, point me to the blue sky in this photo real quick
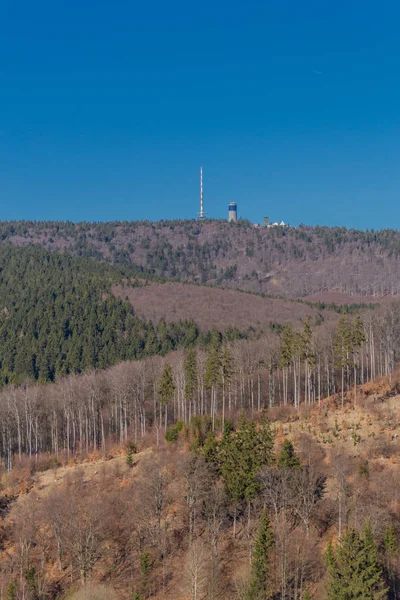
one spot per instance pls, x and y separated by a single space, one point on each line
108 109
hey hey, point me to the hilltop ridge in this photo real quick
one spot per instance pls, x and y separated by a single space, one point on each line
282 261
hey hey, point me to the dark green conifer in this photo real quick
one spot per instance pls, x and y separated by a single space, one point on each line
287 457
260 584
242 453
11 591
391 552
354 569
190 368
166 385
373 574
390 541
129 459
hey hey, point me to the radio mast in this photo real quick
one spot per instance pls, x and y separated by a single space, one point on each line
201 214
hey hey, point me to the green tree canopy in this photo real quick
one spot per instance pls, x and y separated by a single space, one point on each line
354 569
288 457
261 560
166 385
242 453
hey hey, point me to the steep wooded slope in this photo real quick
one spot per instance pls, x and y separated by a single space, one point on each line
291 262
103 520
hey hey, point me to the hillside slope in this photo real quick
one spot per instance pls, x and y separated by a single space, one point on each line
58 315
129 525
217 308
280 261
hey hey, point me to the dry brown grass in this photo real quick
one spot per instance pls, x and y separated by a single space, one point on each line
94 592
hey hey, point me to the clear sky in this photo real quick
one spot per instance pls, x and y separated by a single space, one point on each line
108 109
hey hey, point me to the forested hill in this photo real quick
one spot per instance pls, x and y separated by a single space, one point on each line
58 315
282 261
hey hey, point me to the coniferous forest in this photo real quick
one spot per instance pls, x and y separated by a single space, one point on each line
58 316
159 459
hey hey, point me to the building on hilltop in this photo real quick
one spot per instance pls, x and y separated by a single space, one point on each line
232 212
276 224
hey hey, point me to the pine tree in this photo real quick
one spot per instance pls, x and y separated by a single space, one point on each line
288 457
260 568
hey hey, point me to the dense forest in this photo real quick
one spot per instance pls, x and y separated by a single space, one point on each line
292 262
58 316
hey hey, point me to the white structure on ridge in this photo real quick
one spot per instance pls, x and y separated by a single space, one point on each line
201 214
232 212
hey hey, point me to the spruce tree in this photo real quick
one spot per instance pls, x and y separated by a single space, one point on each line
286 348
259 584
227 371
166 390
288 457
166 385
11 591
212 374
190 368
343 347
241 455
308 355
358 339
129 459
391 550
373 574
354 569
286 354
390 541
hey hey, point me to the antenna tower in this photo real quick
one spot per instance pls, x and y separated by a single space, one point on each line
201 214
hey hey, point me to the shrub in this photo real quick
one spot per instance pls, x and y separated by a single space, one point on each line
171 435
